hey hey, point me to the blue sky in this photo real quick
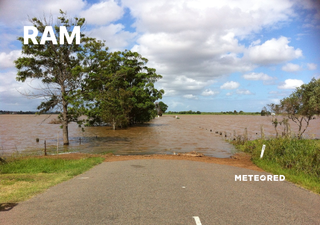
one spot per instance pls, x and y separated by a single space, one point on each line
213 55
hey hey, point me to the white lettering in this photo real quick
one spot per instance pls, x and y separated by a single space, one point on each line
259 177
49 35
32 36
45 37
64 33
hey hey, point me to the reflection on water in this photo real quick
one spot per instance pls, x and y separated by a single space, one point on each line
163 135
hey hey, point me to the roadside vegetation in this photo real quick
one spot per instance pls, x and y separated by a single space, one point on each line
22 178
297 159
290 154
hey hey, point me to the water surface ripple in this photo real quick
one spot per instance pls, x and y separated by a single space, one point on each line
164 135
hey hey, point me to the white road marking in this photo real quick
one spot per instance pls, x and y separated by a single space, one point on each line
197 219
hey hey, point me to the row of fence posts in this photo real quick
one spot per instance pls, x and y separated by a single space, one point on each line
245 135
45 144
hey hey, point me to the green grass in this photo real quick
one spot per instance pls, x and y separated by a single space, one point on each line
309 182
23 178
298 160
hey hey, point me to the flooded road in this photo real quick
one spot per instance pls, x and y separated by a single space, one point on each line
163 135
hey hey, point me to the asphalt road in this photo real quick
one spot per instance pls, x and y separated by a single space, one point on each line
167 192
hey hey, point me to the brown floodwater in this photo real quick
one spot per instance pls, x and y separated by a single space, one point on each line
163 135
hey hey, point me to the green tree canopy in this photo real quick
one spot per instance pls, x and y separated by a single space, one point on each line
57 66
302 105
161 108
121 89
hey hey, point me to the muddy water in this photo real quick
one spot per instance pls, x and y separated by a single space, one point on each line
164 135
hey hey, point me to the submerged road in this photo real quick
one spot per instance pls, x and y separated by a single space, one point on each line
152 192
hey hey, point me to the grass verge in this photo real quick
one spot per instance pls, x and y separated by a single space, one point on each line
22 178
298 160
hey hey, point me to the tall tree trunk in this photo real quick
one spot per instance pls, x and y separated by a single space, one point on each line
113 124
64 118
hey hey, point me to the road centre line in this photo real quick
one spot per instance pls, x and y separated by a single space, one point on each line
197 219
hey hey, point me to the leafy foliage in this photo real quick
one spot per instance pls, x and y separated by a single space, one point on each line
115 88
120 88
57 66
302 105
161 108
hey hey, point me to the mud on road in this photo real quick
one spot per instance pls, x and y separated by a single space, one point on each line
241 159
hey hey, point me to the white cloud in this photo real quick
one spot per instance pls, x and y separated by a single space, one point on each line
182 85
114 34
7 60
209 92
16 12
241 17
290 84
243 92
312 66
229 94
257 76
314 17
188 38
274 51
190 96
290 67
276 94
256 42
174 104
275 100
230 85
168 92
191 43
103 13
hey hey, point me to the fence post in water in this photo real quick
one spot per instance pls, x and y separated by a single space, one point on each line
234 134
262 132
57 143
45 147
245 134
262 151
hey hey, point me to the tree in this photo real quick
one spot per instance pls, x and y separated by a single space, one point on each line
120 88
161 108
301 106
57 66
264 111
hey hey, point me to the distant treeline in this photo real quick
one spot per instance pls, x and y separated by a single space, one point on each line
214 113
184 112
24 112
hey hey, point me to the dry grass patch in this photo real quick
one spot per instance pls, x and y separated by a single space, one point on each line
19 187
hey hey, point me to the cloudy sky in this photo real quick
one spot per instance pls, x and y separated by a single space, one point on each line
213 55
